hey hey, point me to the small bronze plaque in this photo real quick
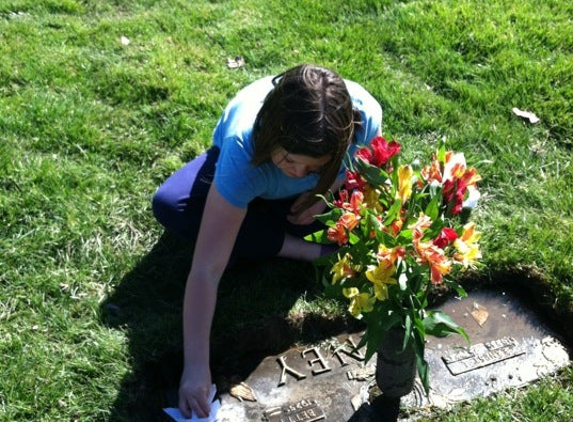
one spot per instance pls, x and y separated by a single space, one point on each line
303 411
483 354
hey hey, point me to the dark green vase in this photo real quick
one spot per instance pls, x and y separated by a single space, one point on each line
395 368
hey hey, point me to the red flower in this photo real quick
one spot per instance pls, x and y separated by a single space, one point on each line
379 152
342 199
383 150
365 154
454 192
354 180
447 236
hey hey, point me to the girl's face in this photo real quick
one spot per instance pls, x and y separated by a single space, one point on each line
295 165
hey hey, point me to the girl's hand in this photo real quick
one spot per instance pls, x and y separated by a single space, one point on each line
194 391
304 217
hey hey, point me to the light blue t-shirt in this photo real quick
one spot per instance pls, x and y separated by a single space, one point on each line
238 181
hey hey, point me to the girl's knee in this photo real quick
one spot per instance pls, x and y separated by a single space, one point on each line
163 206
177 216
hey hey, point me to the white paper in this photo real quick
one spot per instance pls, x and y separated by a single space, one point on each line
176 414
526 115
472 199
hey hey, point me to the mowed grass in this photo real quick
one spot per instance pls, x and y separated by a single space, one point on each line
91 123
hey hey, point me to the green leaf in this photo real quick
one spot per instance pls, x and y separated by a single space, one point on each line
432 209
325 261
319 237
459 289
378 323
408 330
329 218
423 372
441 153
393 213
385 239
372 174
405 237
440 324
333 291
353 238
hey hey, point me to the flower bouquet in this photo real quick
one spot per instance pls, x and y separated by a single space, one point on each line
400 231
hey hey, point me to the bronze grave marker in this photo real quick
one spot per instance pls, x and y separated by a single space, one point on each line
510 347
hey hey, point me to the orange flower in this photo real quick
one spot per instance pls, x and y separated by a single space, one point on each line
347 222
471 177
435 258
390 254
432 172
420 225
356 200
337 234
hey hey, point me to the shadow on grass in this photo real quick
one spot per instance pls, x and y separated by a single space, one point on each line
251 321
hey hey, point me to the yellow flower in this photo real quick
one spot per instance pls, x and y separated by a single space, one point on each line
372 199
359 302
381 277
405 173
466 245
342 269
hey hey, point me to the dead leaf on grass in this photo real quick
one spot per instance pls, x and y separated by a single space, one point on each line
480 314
236 63
242 392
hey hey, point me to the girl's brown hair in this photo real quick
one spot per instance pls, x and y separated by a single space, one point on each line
308 112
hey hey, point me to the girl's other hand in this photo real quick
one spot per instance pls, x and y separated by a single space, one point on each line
304 217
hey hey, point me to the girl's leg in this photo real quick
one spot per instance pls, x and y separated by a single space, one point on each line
179 202
266 233
297 248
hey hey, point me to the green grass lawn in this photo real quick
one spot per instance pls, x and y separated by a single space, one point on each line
100 101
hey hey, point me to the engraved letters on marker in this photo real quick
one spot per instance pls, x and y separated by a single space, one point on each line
483 354
316 358
303 411
458 361
319 364
287 369
319 359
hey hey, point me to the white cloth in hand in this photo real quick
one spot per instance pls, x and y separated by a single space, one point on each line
176 414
